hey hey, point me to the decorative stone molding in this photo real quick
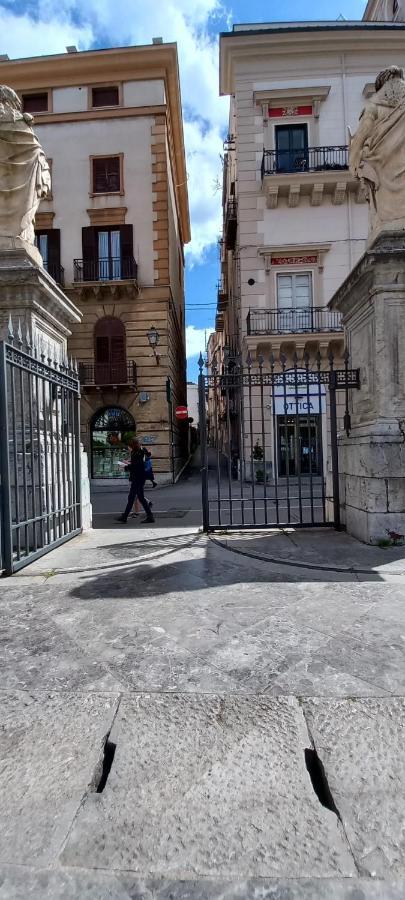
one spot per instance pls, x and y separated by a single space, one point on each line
294 195
160 200
107 216
292 98
340 193
317 195
44 221
294 255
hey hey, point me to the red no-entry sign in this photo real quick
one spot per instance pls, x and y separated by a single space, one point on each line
181 412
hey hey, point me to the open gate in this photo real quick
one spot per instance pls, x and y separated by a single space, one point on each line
40 503
269 442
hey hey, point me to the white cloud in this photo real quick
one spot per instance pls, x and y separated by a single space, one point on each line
60 22
196 339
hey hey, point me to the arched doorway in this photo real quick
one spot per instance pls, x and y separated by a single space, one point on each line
110 366
110 430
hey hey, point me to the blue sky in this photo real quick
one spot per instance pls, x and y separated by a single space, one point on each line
29 27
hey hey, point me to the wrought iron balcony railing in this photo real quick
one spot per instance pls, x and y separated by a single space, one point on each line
107 374
56 272
293 321
112 268
313 159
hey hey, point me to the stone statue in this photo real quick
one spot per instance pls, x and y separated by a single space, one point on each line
24 172
377 152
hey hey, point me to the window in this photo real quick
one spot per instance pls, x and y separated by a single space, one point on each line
110 351
108 253
35 103
106 172
291 148
105 96
294 301
48 243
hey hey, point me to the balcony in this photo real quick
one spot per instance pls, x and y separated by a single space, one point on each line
56 272
222 295
315 171
230 224
112 268
314 320
100 375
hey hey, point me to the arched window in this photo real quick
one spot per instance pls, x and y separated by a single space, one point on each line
111 428
110 362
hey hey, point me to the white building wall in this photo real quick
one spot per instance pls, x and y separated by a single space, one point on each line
70 146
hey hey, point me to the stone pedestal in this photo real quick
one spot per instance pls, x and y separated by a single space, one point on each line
372 458
28 293
45 314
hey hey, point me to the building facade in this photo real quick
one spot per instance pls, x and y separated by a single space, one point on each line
385 11
295 221
112 234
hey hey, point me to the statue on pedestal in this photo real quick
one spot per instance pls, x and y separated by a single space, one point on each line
377 152
24 172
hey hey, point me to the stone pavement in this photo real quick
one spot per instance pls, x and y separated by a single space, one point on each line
182 721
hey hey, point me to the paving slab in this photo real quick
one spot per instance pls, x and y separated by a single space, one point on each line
50 751
17 883
209 787
361 744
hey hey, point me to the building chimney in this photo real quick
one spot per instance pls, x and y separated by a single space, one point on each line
157 40
71 49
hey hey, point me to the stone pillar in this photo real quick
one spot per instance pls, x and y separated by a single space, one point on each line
372 458
30 295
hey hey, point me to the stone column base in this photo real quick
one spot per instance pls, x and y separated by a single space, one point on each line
372 480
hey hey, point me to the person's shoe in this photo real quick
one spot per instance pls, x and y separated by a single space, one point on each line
121 519
154 483
148 519
133 514
150 503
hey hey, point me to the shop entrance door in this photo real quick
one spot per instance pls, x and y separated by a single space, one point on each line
299 445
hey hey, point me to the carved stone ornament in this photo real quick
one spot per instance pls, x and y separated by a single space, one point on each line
377 152
24 172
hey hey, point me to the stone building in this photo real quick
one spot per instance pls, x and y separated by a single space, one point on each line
112 234
295 220
385 11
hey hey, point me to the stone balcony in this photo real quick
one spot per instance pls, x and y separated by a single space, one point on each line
316 172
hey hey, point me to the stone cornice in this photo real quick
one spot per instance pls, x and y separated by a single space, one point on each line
364 273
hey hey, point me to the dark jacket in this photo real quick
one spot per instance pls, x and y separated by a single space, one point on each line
136 467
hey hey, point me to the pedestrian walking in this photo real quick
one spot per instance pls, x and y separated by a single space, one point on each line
137 476
149 468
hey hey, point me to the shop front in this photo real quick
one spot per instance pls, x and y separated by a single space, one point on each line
111 429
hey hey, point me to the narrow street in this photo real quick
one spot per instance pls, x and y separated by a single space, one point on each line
181 720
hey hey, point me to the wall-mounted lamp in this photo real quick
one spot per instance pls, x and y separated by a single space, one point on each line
154 338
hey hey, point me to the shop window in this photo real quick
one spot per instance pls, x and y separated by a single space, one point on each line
111 428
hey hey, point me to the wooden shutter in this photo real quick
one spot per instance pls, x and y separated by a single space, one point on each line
90 254
54 247
110 351
127 251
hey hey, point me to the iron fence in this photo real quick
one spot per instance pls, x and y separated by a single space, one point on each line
39 451
269 445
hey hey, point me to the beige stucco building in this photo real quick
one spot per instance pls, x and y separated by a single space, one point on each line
113 233
295 220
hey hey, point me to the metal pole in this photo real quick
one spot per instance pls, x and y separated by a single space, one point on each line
334 450
77 458
203 450
6 513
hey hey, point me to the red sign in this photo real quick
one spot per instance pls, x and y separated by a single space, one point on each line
281 112
293 260
181 412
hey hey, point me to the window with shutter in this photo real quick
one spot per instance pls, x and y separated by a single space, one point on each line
34 103
294 301
48 243
106 175
105 96
110 351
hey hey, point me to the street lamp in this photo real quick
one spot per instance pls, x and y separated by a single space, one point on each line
154 338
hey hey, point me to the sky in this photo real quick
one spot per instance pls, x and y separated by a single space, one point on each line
34 27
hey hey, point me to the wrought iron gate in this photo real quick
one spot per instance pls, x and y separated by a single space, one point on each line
269 442
39 452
